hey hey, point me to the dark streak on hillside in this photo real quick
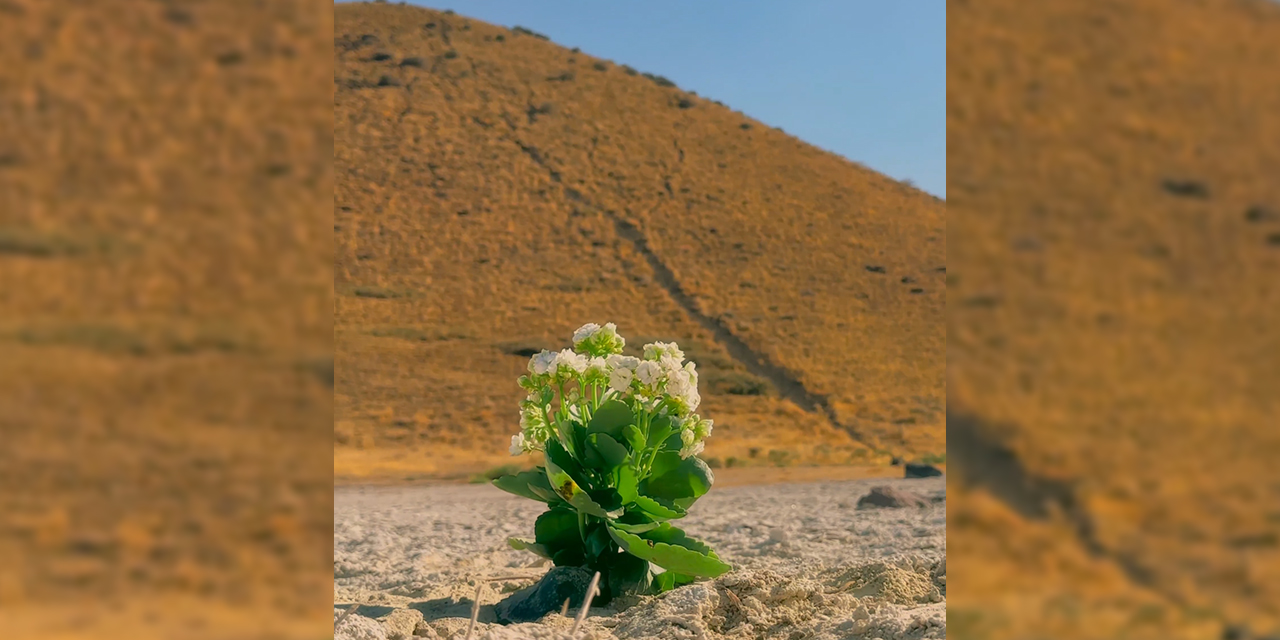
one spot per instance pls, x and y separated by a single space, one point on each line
756 363
980 460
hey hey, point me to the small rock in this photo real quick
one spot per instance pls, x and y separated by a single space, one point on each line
918 470
779 536
547 595
358 627
889 497
402 623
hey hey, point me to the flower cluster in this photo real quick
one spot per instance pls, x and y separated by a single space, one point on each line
660 383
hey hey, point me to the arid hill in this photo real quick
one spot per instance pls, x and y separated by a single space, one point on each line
165 356
496 190
1113 355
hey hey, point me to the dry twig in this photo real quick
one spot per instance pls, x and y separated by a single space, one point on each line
344 615
586 604
475 611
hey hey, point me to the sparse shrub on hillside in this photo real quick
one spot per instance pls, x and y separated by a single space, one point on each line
450 54
411 62
500 38
388 81
629 70
567 76
684 103
661 81
528 32
744 126
621 443
600 66
377 292
575 50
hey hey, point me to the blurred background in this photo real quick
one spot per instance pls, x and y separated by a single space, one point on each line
1113 360
507 172
166 362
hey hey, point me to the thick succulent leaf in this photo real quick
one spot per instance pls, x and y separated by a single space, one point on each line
668 580
557 528
568 557
611 418
546 492
631 433
670 534
559 456
525 545
526 484
672 557
659 430
628 575
613 453
680 481
626 484
568 489
598 542
658 509
635 528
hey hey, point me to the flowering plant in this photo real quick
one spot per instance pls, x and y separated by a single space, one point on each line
621 441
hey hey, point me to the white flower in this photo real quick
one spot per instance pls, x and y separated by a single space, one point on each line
692 450
655 351
620 380
617 361
543 362
649 372
597 367
585 332
568 359
517 444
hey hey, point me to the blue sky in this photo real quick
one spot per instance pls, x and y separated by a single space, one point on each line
866 80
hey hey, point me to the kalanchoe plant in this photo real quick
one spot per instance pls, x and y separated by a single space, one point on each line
621 442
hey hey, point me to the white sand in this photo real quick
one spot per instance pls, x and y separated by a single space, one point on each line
807 564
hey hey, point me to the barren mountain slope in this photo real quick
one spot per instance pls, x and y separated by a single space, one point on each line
165 362
1112 343
496 190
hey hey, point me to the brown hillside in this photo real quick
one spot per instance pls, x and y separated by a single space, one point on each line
165 354
1112 343
496 190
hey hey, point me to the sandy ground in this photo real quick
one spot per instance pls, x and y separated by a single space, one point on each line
808 564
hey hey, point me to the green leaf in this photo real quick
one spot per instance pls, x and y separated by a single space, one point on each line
526 484
634 437
569 490
611 418
613 453
557 528
672 557
566 438
670 534
625 481
658 509
679 481
598 541
546 492
659 429
628 575
556 454
525 545
668 580
635 528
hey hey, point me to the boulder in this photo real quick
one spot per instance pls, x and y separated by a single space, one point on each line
889 497
918 470
547 595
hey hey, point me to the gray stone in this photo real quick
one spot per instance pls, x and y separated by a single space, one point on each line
889 497
918 470
547 595
401 623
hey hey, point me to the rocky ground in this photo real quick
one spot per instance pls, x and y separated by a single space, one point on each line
809 563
